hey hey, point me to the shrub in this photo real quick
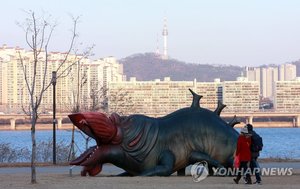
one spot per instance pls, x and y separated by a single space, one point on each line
44 153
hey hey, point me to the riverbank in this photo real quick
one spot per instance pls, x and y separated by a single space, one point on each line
42 127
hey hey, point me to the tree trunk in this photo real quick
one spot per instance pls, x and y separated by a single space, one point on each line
76 110
72 149
73 142
33 150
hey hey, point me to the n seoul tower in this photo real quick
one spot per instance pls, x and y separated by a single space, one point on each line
165 35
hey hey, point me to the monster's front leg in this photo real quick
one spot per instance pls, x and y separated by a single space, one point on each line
164 167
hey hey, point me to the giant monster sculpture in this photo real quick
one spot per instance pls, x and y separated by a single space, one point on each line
149 146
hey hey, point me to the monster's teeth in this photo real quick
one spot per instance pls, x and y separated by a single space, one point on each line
82 157
93 158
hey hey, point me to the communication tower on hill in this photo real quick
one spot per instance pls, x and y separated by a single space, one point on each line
165 36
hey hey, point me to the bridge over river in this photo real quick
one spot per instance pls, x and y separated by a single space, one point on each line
284 119
290 119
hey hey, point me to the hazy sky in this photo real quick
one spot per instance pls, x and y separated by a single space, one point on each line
236 32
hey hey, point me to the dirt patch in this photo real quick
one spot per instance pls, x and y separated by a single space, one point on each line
58 181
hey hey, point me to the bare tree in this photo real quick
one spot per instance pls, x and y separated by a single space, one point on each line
93 100
98 98
80 78
38 34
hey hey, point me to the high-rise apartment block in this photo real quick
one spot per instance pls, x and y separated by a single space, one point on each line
99 74
11 79
253 74
268 76
86 76
287 96
149 97
287 72
241 95
157 98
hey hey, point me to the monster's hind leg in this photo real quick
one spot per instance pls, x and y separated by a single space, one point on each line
200 156
164 167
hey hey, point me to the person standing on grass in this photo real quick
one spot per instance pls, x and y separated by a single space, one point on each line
243 155
255 148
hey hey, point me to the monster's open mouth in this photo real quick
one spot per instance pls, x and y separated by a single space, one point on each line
103 130
90 160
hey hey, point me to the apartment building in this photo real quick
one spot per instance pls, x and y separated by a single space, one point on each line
287 96
157 98
153 98
268 76
241 95
84 76
287 72
99 74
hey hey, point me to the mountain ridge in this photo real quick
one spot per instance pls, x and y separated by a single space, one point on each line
148 66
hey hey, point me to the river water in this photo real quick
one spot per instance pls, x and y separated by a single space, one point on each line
278 142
